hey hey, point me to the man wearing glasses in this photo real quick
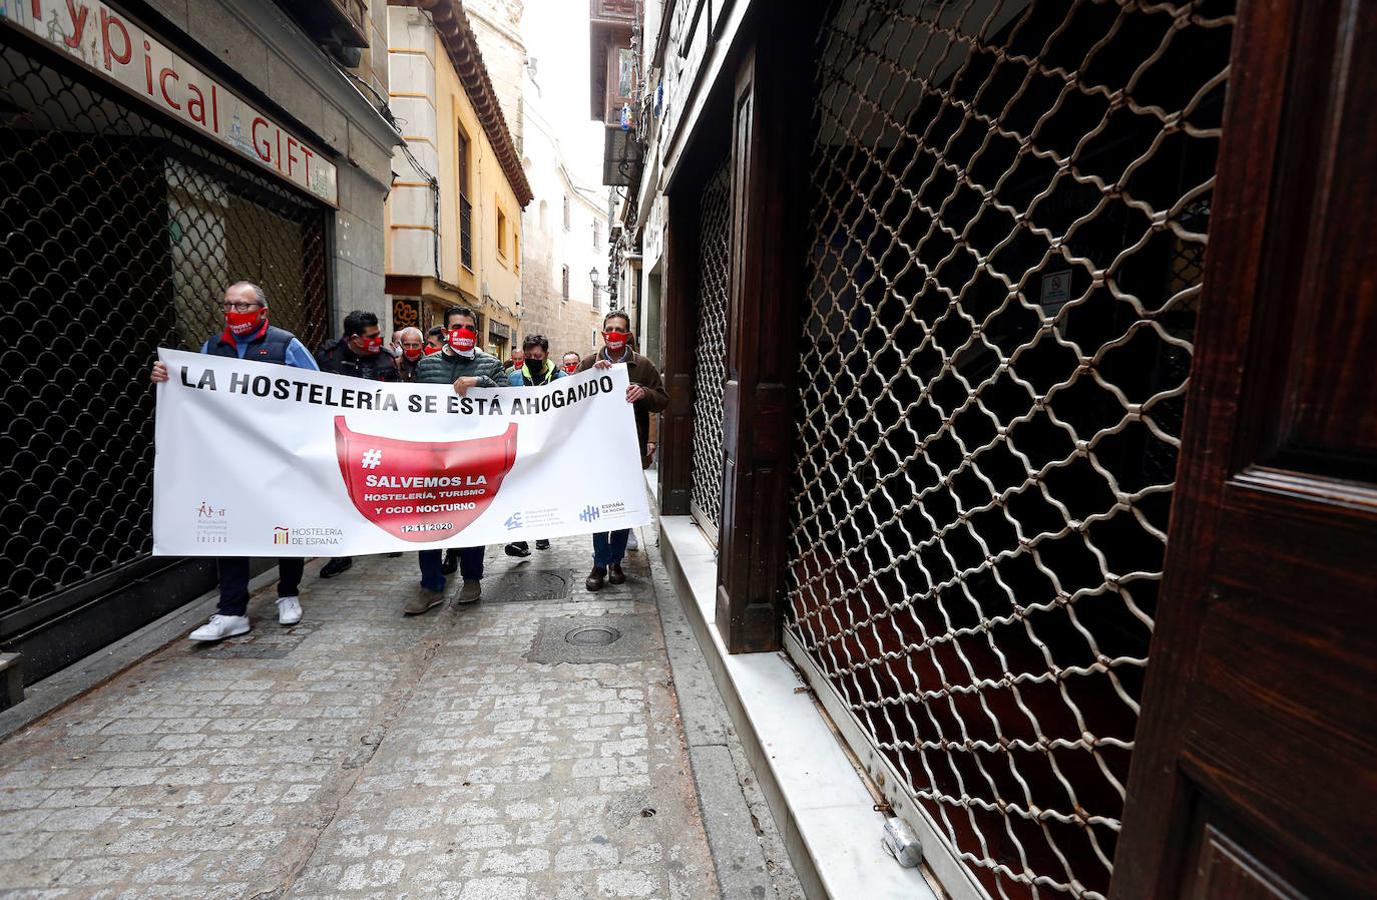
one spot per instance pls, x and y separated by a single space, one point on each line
248 335
647 393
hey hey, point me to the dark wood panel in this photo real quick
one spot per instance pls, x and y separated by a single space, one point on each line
1259 718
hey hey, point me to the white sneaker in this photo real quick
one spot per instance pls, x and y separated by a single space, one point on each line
631 541
288 610
221 627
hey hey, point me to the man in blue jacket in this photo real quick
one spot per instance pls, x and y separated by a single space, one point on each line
248 335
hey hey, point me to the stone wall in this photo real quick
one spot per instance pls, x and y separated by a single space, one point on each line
497 26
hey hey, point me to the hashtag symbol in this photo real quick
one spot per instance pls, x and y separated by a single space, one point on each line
372 459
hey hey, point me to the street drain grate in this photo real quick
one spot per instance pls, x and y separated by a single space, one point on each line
530 585
594 639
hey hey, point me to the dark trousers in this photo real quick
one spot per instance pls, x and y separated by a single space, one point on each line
433 579
234 582
609 547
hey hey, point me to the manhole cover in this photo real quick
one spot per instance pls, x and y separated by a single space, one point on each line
593 636
526 586
595 639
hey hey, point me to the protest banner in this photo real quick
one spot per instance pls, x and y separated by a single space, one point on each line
263 460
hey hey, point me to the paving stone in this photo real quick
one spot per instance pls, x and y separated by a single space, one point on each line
364 753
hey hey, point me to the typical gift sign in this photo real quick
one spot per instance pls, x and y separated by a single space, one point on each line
262 460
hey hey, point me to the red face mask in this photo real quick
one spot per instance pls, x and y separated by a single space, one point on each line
463 339
571 368
242 323
616 341
414 353
429 350
371 346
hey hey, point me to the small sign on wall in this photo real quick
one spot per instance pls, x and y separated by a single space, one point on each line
1056 290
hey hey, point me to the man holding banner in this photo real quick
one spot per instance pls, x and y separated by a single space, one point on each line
647 393
464 365
248 335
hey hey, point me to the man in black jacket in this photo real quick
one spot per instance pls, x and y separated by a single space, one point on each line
248 335
357 354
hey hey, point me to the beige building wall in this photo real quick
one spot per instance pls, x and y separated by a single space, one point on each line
497 26
573 323
429 100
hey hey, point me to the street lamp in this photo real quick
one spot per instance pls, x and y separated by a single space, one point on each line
596 278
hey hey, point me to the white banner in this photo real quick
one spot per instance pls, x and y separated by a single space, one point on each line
256 459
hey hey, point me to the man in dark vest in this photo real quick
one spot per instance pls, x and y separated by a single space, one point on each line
248 335
358 354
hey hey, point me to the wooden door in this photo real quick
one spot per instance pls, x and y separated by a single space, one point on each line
1255 770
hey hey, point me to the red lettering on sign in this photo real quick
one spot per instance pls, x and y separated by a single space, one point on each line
308 154
162 83
108 21
196 104
279 149
265 149
291 153
147 69
78 24
36 10
215 109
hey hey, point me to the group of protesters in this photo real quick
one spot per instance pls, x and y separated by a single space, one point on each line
446 354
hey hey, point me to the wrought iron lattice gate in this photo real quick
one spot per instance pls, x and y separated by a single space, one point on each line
120 235
710 353
1008 235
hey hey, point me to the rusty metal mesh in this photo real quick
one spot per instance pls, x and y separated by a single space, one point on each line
119 236
710 352
1009 226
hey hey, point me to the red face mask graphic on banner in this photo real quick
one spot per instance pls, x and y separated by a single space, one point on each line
463 340
423 491
242 323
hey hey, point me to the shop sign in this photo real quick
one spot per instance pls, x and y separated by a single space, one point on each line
116 48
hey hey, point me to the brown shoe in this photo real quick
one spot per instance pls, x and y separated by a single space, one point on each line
470 592
423 601
594 580
615 574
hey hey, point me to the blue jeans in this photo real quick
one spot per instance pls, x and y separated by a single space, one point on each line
609 547
470 566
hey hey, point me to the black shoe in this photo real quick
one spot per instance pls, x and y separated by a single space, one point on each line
451 563
542 544
615 574
594 580
518 548
336 566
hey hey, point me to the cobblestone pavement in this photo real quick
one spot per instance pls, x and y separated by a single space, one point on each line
362 753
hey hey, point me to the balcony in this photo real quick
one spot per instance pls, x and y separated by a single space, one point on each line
339 22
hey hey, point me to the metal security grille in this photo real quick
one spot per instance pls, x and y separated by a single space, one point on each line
1009 226
710 353
119 236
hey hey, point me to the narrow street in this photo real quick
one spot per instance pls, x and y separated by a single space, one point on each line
506 749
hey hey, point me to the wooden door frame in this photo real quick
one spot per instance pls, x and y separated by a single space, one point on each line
771 140
1287 65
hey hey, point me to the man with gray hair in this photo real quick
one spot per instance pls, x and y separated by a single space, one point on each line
412 343
248 335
